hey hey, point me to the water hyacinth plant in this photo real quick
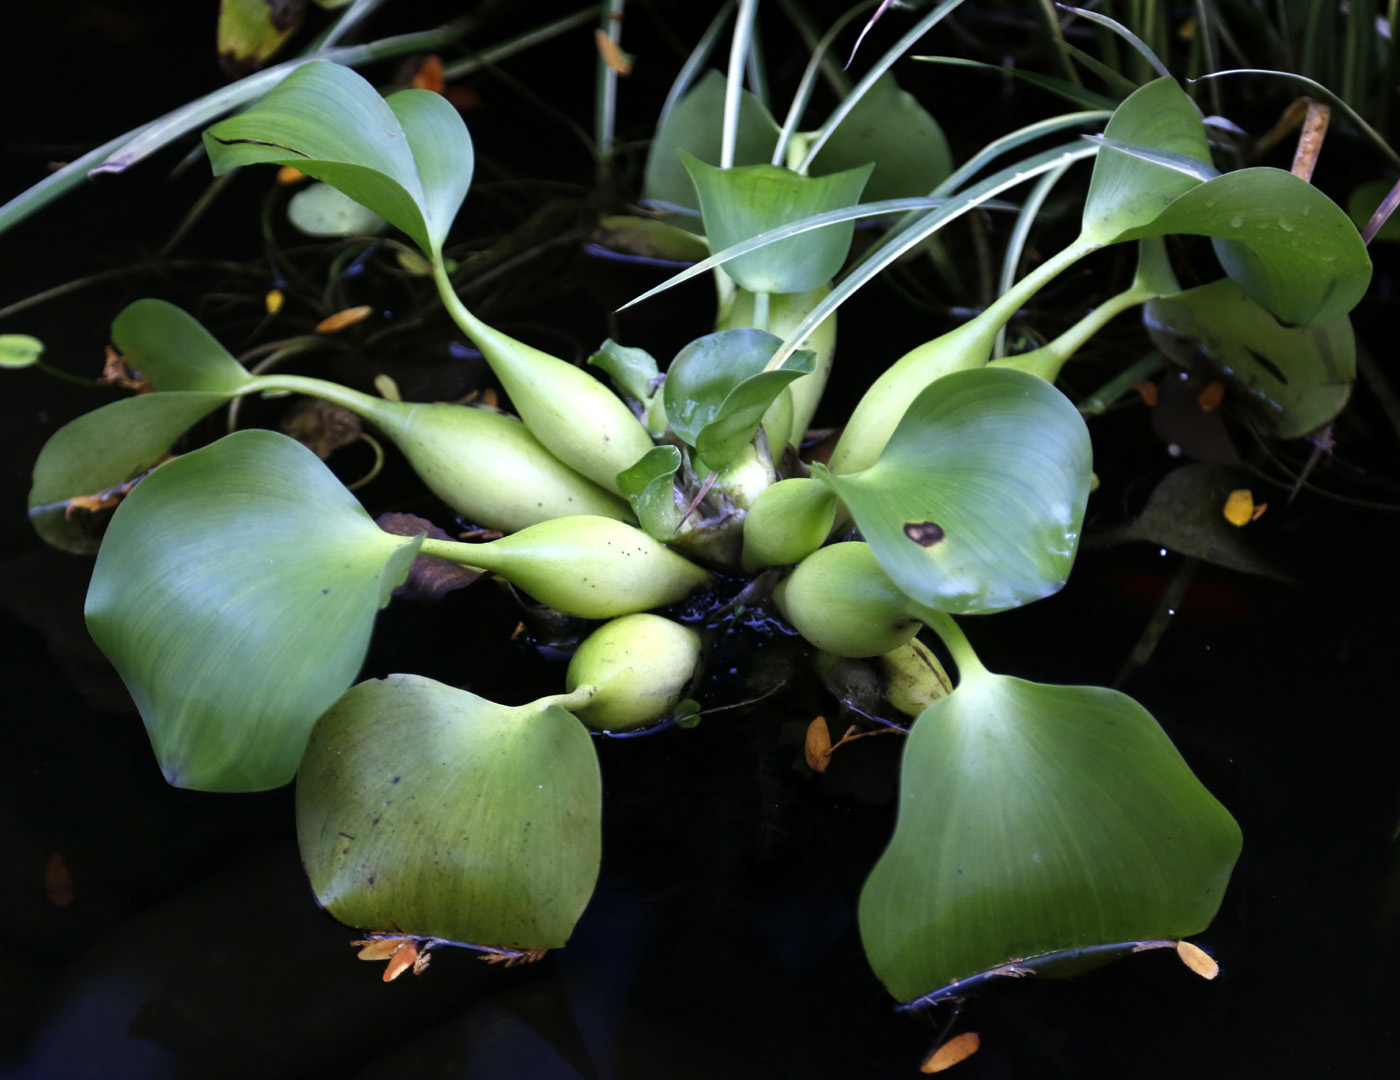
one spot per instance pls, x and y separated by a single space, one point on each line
237 585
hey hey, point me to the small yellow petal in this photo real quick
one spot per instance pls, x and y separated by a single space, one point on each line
1197 959
1239 507
286 176
1211 397
273 301
958 1048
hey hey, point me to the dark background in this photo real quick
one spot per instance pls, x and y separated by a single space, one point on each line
721 941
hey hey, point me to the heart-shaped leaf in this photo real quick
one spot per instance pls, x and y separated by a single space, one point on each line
716 391
429 811
408 158
171 350
651 489
1128 190
976 503
235 593
889 128
740 203
1035 819
99 452
1281 240
632 370
1298 377
696 125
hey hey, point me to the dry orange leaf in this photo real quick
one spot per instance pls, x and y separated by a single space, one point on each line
58 881
405 957
378 948
612 54
1197 959
1210 398
958 1048
117 372
341 319
818 745
93 503
1239 507
1148 390
287 176
429 75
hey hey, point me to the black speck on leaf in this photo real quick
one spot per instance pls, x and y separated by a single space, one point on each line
924 533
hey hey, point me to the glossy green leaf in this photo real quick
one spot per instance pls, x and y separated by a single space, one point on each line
1034 819
632 370
740 203
1298 378
169 348
651 489
100 451
1281 240
889 128
320 210
408 158
235 593
20 350
695 125
1127 190
976 503
429 811
716 389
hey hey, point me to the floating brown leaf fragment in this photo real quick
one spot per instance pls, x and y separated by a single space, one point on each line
511 957
430 577
958 1048
1240 509
612 53
402 954
341 319
429 75
287 176
1197 959
58 881
117 372
1148 392
1210 398
818 745
321 426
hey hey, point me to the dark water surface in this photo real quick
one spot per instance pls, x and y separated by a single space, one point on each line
721 941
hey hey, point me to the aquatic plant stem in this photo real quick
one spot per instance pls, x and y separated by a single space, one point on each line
969 666
1047 360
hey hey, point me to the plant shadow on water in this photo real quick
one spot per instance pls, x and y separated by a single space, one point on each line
158 932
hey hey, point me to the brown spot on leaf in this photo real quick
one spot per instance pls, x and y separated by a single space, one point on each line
924 533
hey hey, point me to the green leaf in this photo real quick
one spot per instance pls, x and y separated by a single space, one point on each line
976 503
1034 819
252 31
633 371
716 389
408 159
1281 240
650 487
740 203
429 811
1071 92
1185 514
235 593
100 451
1297 378
320 210
889 128
19 350
695 125
1127 190
169 348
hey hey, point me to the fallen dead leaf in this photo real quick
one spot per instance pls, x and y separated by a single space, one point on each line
341 319
958 1048
612 53
818 745
1197 959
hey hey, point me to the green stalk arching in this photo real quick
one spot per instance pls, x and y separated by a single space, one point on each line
484 465
785 311
969 346
593 567
582 423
